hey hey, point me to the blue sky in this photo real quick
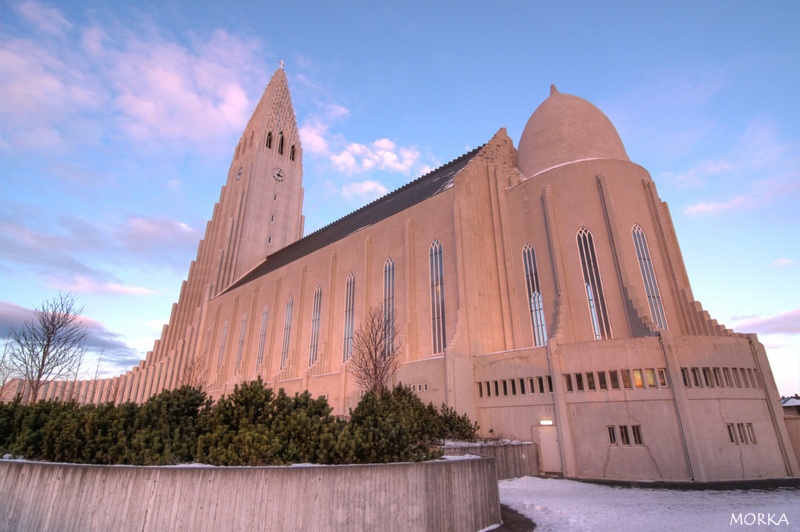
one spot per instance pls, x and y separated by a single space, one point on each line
118 122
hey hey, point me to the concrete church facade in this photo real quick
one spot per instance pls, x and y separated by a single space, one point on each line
541 290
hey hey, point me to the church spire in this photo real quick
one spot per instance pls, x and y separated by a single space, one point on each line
264 197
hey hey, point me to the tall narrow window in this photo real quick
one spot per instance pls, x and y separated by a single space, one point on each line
312 351
269 139
280 143
222 344
287 329
594 285
437 297
649 277
262 336
240 347
388 303
349 303
534 296
291 153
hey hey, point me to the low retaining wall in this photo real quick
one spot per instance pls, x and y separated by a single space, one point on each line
443 495
512 460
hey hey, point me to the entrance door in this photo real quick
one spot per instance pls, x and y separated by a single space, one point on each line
549 450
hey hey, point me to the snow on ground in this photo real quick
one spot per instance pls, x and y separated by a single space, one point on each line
559 504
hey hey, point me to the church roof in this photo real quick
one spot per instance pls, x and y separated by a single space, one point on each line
566 129
399 200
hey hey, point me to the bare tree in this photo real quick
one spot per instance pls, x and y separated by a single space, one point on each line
376 349
50 346
6 372
195 372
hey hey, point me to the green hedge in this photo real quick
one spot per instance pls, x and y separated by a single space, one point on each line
252 426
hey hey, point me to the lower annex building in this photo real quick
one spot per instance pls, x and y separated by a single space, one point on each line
539 289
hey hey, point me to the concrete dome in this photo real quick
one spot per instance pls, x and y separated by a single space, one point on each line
565 129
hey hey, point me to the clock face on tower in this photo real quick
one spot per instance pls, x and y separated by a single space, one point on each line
278 174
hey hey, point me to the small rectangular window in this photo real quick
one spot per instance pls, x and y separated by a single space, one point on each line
707 378
614 378
696 379
568 381
742 434
413 387
541 384
732 433
488 389
726 372
533 388
736 379
637 434
626 378
513 387
496 388
480 389
650 377
751 433
745 380
549 384
686 380
638 379
753 383
579 382
274 197
505 388
601 380
662 377
717 378
425 387
522 386
612 435
590 381
623 435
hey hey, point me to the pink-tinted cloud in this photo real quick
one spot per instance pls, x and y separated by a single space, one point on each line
784 323
45 19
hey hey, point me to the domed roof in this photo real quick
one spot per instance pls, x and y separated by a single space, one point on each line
566 129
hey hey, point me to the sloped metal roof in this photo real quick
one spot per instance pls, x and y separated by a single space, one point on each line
399 200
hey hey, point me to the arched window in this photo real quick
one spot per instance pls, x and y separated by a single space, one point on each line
280 143
222 344
287 329
262 336
649 277
312 351
240 347
269 139
594 285
535 305
437 297
349 304
388 303
291 153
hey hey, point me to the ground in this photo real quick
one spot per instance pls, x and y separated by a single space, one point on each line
559 504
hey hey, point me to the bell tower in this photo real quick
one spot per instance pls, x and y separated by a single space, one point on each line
261 206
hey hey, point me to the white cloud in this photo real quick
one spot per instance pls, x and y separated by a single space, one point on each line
45 19
382 154
364 190
702 208
783 262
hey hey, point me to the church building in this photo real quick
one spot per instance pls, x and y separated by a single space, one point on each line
540 289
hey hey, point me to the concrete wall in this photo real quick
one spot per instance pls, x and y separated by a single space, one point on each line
443 495
512 460
793 428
